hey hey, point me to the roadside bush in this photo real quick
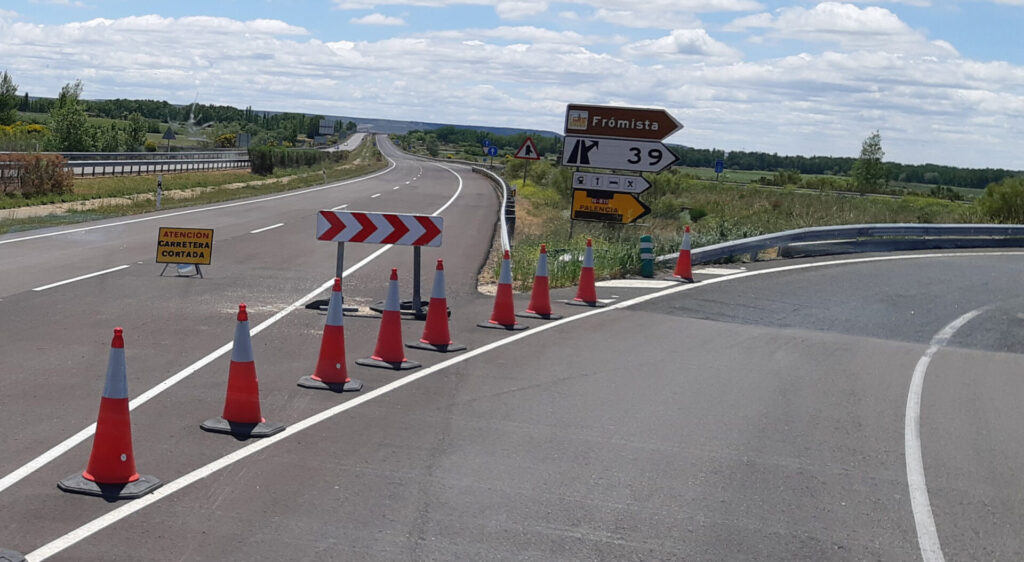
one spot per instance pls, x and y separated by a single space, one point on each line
149 146
1004 200
264 159
36 174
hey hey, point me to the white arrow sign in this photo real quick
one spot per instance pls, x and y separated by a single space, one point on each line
617 154
609 182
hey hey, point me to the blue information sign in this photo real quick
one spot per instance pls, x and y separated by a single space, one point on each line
719 166
487 142
492 151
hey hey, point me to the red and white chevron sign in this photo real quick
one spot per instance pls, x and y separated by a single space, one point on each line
379 228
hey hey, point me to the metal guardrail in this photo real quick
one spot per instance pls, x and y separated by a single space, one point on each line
96 168
222 154
500 185
868 237
97 164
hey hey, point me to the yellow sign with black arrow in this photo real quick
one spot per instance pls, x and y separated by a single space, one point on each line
607 206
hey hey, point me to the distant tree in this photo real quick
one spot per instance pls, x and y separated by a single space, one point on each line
69 129
433 147
135 133
111 139
868 172
9 101
350 127
25 103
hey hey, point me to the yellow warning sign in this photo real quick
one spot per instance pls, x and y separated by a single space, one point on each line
184 245
606 206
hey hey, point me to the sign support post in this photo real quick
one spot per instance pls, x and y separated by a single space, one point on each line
417 304
383 228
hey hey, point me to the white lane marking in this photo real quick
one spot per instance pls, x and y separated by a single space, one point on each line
80 277
719 270
104 521
635 283
396 187
203 209
339 207
64 446
927 535
266 228
408 182
375 195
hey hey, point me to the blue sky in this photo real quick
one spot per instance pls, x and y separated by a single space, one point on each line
942 82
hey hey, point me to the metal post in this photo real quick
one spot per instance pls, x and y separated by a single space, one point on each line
159 190
339 267
417 307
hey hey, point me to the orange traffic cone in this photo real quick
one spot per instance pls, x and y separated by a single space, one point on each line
540 298
330 372
389 353
683 270
435 331
242 417
111 469
586 293
504 314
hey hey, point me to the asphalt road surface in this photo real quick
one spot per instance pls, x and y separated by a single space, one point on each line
775 411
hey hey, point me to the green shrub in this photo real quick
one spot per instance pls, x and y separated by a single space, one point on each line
1004 200
150 146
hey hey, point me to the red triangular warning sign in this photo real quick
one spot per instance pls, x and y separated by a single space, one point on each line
528 151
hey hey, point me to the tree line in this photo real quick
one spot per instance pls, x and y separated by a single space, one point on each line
931 174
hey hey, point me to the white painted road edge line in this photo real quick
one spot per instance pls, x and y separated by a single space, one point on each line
80 277
927 535
204 209
100 523
266 228
40 461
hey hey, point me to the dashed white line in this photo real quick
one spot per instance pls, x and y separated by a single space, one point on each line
396 187
266 228
375 195
80 277
339 207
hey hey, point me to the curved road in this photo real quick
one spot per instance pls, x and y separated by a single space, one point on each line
760 415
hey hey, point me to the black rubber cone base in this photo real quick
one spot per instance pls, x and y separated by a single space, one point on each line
352 385
11 556
541 316
78 484
393 365
441 348
242 430
506 327
596 304
679 279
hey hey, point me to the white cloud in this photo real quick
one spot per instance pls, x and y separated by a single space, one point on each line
842 24
378 19
8 14
682 43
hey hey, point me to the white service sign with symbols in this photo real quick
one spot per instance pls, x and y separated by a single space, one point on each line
617 154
